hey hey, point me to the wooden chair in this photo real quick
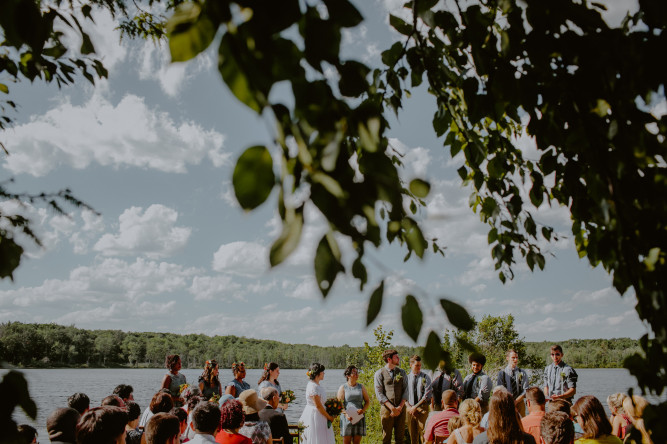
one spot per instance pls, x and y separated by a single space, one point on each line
440 439
277 441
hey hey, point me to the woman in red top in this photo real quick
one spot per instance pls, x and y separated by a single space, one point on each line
231 420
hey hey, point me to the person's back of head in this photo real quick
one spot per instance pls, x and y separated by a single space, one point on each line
556 428
592 417
163 428
102 425
470 412
449 399
454 423
634 407
206 418
559 405
504 425
27 434
133 412
79 402
536 399
61 424
124 391
113 401
161 402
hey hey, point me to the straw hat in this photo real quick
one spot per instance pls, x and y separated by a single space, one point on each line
251 402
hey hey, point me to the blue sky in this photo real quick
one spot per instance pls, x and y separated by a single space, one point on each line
153 148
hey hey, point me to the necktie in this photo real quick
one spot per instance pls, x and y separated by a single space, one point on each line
414 389
515 389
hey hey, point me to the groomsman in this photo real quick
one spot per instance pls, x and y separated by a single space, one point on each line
560 380
442 382
477 385
515 380
419 398
391 390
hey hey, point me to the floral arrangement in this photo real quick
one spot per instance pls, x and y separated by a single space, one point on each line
182 387
215 399
333 406
308 373
287 396
266 366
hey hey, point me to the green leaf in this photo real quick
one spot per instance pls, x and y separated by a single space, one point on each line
86 46
189 31
15 386
393 54
327 263
3 88
353 81
359 272
433 352
375 304
413 237
235 77
411 317
420 188
457 315
343 13
400 25
253 177
288 240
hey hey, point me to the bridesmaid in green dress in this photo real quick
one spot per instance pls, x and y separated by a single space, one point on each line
353 394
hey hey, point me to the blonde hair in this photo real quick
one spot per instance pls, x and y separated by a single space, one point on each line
615 402
634 406
470 412
454 423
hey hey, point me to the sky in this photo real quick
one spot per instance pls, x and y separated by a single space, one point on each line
152 150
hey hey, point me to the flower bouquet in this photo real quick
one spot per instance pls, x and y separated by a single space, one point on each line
333 406
287 396
215 398
182 387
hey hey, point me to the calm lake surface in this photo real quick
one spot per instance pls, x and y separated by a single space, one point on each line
50 388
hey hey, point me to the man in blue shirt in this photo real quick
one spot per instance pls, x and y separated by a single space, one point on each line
419 398
560 380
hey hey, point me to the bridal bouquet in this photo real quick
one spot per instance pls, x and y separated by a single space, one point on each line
287 396
333 406
182 387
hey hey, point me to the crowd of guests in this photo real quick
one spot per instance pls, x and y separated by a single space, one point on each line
177 413
438 408
446 408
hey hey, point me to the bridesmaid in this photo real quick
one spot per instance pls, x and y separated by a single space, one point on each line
237 385
353 394
173 380
270 379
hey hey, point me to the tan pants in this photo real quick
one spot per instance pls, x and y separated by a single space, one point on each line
417 424
395 424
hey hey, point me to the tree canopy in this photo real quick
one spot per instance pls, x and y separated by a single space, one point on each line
583 90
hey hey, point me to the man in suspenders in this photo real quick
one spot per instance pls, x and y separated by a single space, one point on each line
392 392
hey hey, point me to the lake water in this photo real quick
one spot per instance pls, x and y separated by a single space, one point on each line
50 388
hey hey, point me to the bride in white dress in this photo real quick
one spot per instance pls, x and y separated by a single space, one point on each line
315 416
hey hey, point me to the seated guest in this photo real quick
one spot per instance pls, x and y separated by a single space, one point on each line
619 420
79 402
634 406
162 428
471 415
274 417
485 418
231 421
592 418
561 405
102 425
113 401
162 402
454 423
437 424
182 416
556 428
132 435
27 434
205 422
124 392
254 428
504 423
61 425
535 401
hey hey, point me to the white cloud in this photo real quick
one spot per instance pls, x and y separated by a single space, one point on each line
111 279
214 287
597 296
243 258
151 233
126 134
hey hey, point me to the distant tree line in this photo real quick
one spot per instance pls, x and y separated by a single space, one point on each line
52 345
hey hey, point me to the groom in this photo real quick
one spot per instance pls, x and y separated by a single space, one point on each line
391 389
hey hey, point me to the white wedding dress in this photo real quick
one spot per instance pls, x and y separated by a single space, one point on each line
316 431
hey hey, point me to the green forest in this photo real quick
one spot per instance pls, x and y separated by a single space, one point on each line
52 345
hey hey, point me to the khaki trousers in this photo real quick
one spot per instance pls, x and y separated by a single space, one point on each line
417 424
395 424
